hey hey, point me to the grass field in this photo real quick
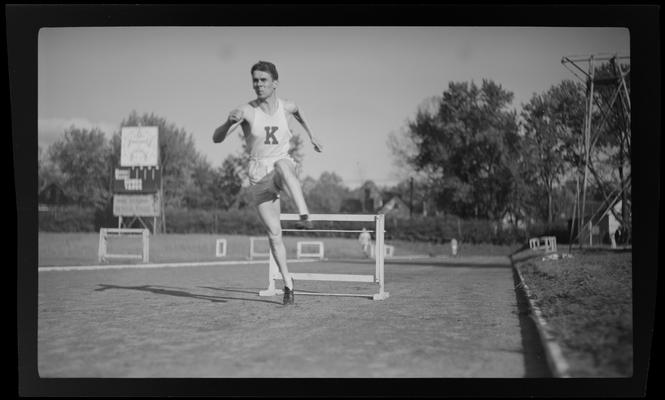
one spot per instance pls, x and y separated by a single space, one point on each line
587 301
57 249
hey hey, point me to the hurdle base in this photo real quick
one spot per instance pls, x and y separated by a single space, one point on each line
275 292
269 292
381 296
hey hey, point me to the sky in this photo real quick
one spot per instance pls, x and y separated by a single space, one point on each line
355 85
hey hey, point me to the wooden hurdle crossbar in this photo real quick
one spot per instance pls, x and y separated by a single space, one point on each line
104 233
377 277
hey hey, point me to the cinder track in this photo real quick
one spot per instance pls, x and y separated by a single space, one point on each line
450 318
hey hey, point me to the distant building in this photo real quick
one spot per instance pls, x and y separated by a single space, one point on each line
603 227
366 199
395 207
369 199
609 224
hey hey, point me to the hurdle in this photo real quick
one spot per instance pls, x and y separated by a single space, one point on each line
389 251
546 243
220 247
550 243
300 254
252 252
377 277
104 233
534 243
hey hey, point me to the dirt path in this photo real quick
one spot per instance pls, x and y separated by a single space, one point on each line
441 320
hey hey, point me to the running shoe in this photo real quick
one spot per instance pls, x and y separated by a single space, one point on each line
289 296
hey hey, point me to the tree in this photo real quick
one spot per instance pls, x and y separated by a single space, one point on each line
466 147
82 157
326 194
198 192
552 124
227 182
47 170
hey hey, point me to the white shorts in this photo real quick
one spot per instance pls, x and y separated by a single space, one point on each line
262 179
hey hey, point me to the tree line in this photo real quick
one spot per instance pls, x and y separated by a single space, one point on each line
476 157
82 163
467 153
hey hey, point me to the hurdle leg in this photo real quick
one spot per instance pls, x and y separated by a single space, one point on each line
272 271
380 253
146 246
102 245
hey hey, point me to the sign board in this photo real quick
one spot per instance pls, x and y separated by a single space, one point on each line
137 180
136 205
139 146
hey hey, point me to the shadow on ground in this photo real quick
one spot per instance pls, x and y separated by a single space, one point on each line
178 292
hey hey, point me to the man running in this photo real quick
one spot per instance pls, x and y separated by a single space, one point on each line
265 126
365 240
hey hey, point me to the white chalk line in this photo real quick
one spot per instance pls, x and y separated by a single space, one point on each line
160 265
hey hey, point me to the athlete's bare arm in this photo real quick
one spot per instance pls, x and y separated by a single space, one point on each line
236 117
292 108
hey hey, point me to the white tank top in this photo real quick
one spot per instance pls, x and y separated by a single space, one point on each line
269 135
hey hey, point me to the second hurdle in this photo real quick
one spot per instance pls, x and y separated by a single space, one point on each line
377 277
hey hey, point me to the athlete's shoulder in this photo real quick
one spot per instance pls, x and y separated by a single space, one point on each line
247 109
247 106
289 106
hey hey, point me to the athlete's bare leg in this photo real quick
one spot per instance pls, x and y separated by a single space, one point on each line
269 212
288 180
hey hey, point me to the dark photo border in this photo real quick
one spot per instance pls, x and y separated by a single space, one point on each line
23 23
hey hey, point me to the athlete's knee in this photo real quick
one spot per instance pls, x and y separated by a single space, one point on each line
275 240
284 167
275 236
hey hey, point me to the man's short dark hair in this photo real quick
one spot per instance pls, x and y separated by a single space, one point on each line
266 66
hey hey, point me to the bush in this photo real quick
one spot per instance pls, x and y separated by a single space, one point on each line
212 221
442 229
558 229
68 219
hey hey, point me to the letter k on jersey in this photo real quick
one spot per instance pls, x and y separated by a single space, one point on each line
270 135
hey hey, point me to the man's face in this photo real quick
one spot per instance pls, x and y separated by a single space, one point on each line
263 84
